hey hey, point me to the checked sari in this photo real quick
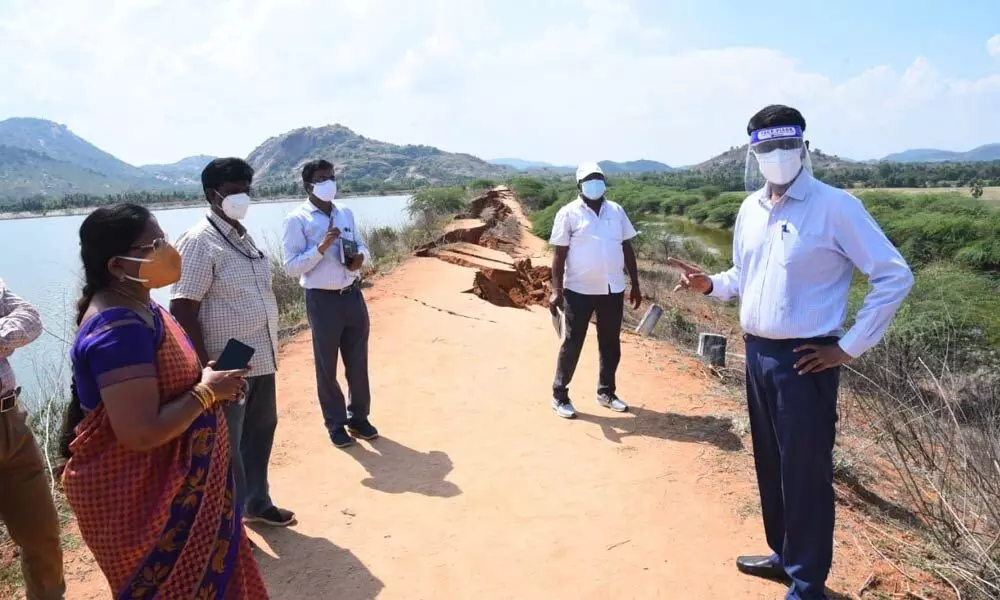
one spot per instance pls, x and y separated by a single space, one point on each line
161 523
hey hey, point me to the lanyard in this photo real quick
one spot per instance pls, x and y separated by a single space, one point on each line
260 254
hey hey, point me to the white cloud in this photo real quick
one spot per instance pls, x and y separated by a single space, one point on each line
993 46
156 81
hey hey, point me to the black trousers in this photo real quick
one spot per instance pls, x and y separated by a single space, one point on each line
251 435
579 308
340 328
793 422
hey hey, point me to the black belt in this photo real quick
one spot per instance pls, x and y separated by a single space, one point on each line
823 339
8 401
342 291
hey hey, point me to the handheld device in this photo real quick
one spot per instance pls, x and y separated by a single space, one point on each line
350 248
236 355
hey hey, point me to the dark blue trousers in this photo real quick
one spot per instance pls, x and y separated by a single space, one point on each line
793 424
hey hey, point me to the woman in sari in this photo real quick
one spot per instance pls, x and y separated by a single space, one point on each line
148 471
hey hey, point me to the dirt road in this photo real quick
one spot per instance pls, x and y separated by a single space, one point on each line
477 490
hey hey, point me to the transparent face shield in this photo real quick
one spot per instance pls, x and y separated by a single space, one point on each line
775 155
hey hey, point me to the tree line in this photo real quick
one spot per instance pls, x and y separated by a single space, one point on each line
41 204
971 176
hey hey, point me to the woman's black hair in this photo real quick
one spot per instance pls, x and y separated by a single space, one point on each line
106 233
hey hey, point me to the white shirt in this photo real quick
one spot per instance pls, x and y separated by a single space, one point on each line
793 262
304 229
595 264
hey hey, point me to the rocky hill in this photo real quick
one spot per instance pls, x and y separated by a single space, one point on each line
358 158
735 159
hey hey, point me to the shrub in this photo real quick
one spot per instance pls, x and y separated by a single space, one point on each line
437 201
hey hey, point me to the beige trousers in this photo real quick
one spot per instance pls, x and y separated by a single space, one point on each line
27 509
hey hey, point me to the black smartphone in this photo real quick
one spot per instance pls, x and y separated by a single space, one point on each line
236 355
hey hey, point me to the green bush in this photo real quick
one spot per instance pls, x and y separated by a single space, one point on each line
437 201
946 301
933 227
541 220
481 185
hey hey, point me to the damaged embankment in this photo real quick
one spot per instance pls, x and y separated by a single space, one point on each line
487 238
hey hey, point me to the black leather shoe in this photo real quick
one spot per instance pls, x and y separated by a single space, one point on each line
761 566
363 430
340 438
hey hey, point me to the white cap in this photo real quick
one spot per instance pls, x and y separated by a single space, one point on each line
587 169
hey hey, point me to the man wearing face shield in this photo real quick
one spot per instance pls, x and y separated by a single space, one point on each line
796 244
593 251
224 293
325 250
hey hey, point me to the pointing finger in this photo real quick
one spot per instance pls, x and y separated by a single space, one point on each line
682 265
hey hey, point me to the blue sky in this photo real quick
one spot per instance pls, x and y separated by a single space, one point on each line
557 80
840 37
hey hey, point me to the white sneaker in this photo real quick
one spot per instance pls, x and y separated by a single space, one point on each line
613 402
564 409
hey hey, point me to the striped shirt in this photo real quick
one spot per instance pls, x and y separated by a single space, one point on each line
793 262
231 278
20 325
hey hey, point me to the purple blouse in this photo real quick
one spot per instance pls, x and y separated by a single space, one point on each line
113 346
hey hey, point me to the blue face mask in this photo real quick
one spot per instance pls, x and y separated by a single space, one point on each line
593 189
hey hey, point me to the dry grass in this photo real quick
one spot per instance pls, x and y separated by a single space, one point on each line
990 194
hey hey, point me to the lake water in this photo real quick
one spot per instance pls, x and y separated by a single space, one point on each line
40 261
717 241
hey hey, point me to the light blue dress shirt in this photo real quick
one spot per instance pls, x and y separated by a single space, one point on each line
304 229
793 262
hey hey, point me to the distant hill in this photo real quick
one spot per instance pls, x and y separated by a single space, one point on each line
25 173
46 158
521 164
58 142
280 159
610 167
735 158
39 157
988 152
184 172
634 166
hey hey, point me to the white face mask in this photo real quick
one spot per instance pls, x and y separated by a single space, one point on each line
235 206
326 190
780 166
593 189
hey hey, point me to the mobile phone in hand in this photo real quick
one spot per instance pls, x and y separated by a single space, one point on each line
236 355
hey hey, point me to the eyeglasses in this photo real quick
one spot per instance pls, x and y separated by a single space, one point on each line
156 245
324 179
